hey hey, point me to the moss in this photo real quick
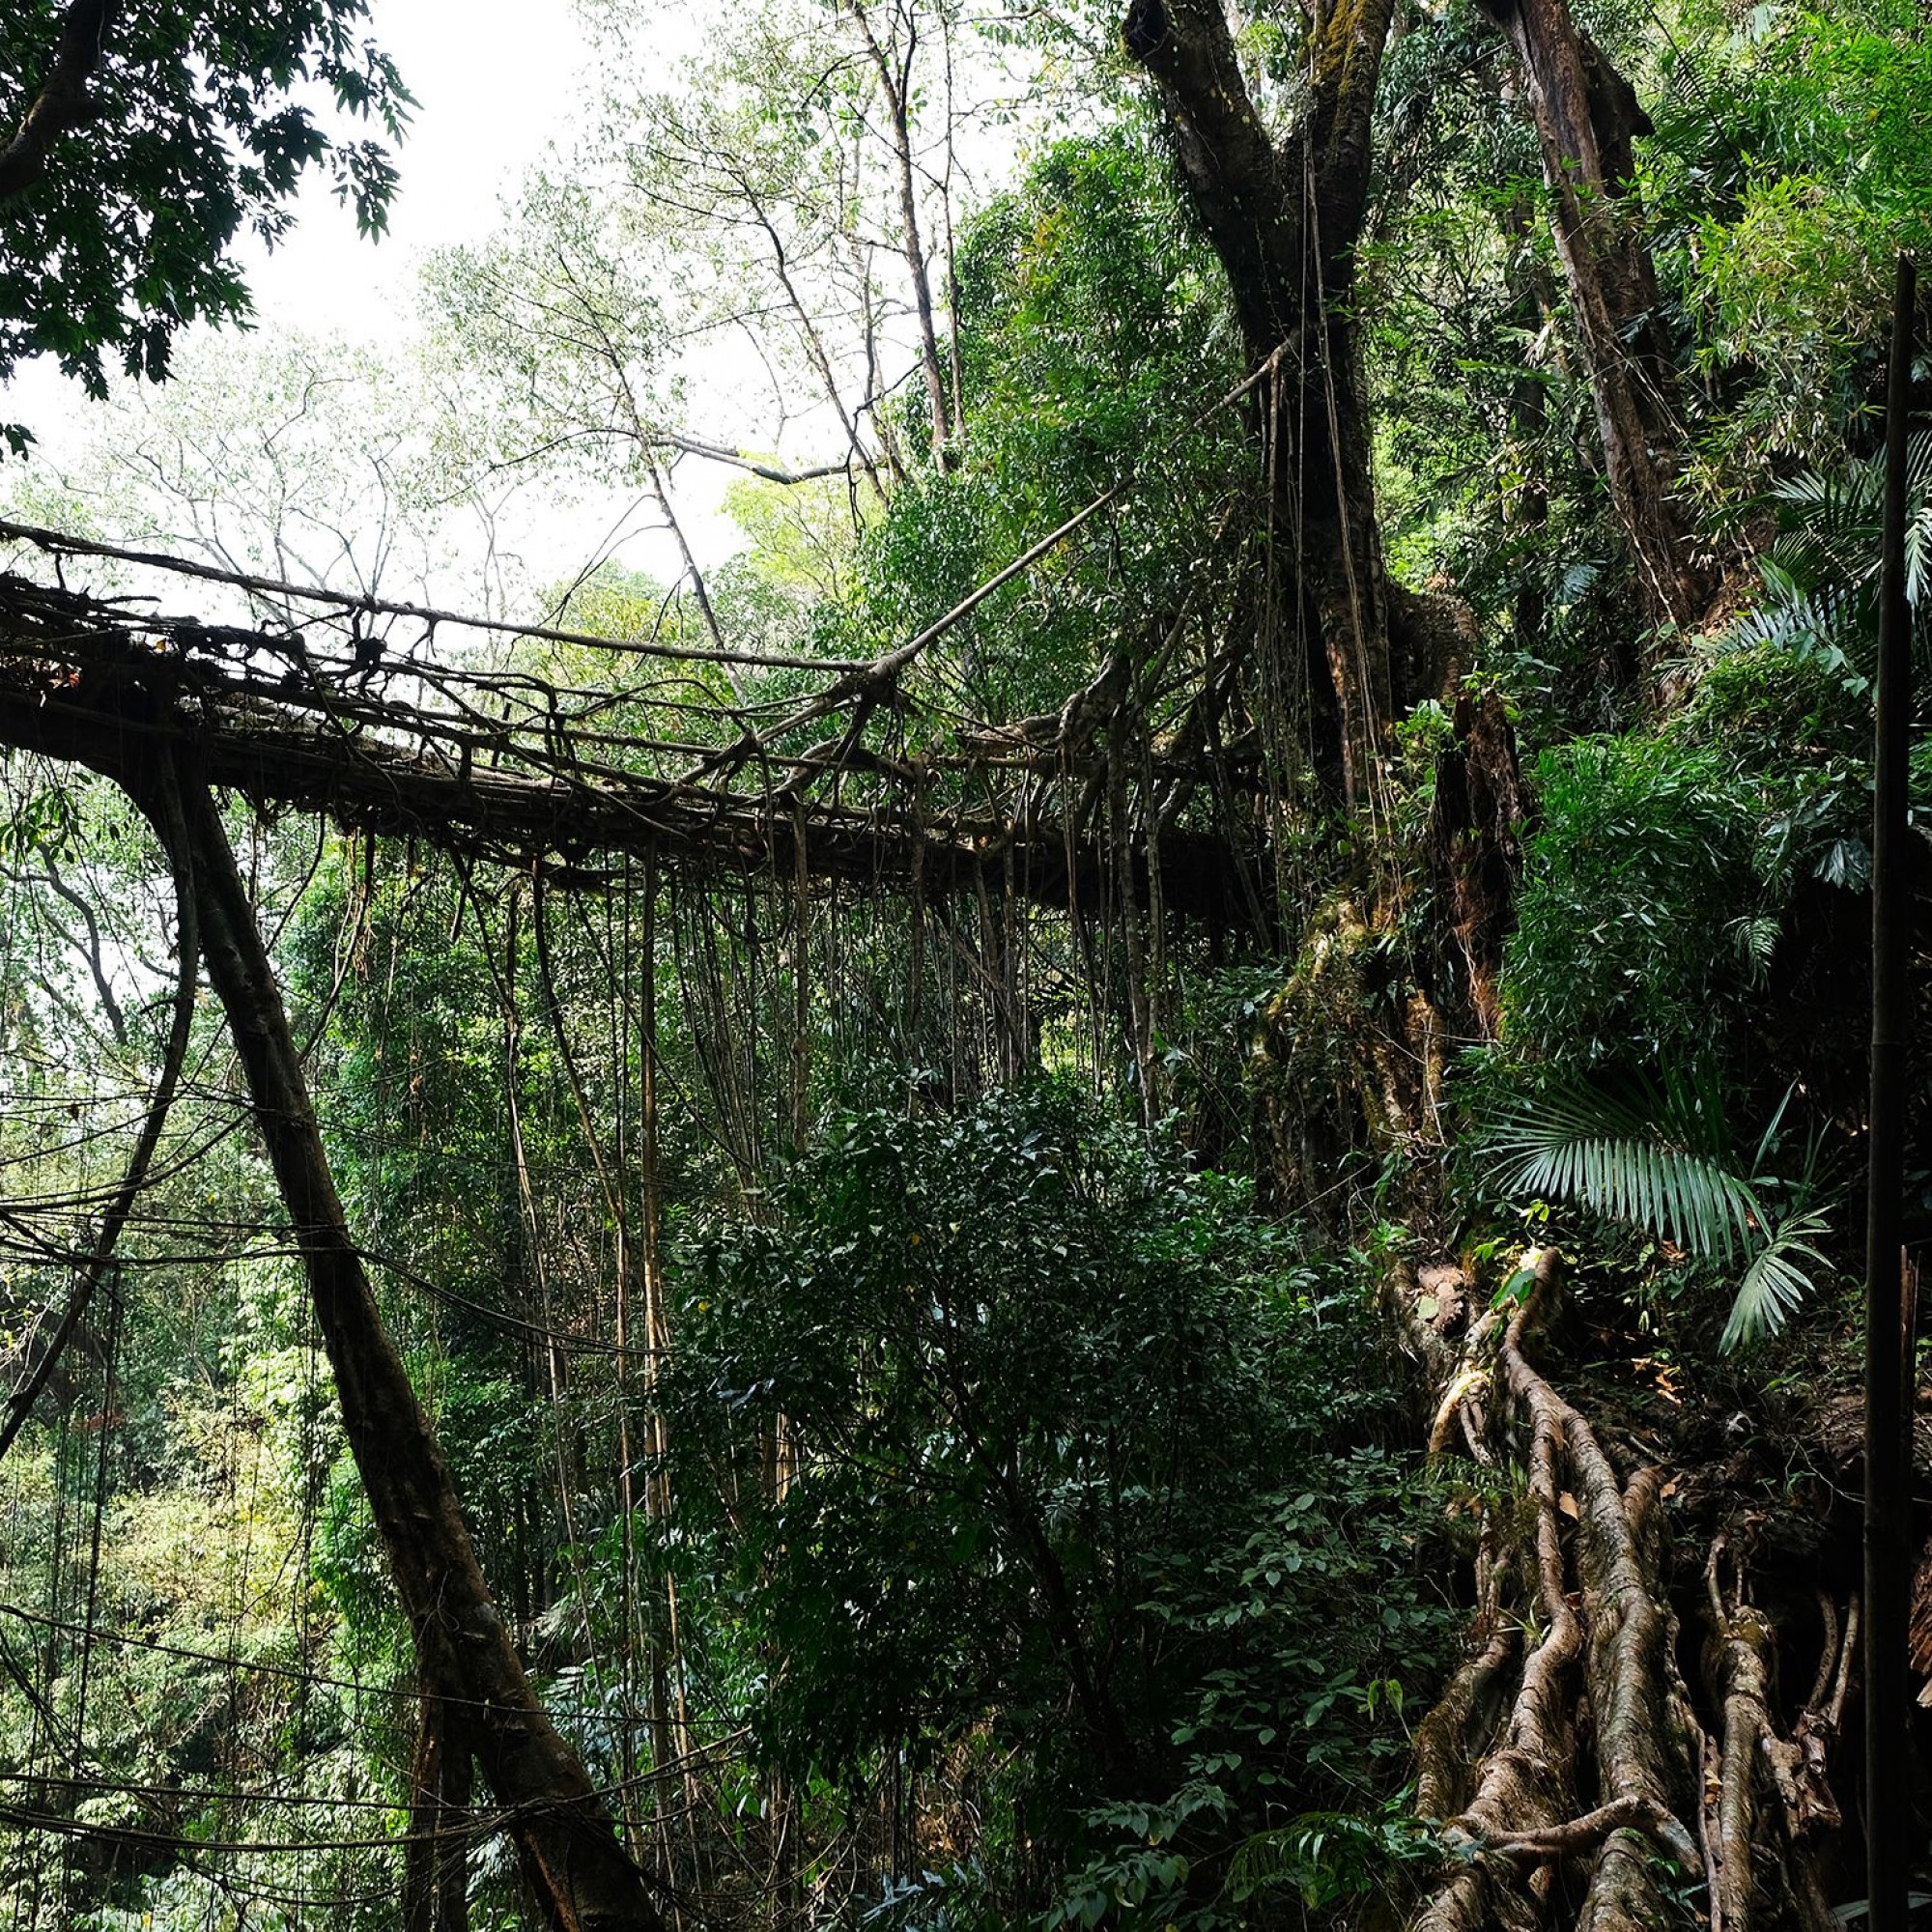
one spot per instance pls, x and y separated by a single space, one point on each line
1348 1065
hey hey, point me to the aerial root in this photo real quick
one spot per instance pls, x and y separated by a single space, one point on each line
1566 1760
1586 1833
1461 1409
1755 1766
1598 1799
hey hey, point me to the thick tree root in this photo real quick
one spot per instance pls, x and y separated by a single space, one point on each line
1772 1801
1578 1786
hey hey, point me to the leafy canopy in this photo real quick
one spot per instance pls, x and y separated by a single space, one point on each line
195 127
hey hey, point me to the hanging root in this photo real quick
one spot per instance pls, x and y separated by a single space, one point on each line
1566 1796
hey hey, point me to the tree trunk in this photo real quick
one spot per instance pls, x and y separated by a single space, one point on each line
569 1848
436 1869
62 103
895 86
1586 117
1285 222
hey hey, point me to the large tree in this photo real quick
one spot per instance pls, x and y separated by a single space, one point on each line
145 139
1284 215
1588 116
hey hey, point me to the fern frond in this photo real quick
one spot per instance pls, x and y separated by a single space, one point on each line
1327 1856
1773 1285
1270 1858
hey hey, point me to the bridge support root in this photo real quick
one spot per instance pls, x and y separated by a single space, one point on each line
1570 1765
569 1847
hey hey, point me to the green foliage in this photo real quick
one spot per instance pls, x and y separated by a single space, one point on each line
1638 917
1332 1856
1086 311
1789 170
1480 411
196 132
1012 1464
561 324
1821 575
1066 1431
1091 331
1662 1159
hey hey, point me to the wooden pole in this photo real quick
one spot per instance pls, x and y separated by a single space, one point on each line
1888 1315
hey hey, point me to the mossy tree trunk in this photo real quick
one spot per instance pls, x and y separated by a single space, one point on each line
1588 116
1285 218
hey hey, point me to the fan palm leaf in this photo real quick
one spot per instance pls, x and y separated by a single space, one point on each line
1662 1159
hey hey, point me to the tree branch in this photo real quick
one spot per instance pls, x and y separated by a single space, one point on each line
167 807
62 104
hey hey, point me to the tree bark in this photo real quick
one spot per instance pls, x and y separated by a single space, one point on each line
62 104
895 86
1285 221
1586 117
436 1869
1568 1753
568 1845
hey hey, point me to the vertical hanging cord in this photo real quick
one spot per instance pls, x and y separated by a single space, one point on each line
109 1390
916 915
46 1736
91 1599
617 1011
1276 709
801 1042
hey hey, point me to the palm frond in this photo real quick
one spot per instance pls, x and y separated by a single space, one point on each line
1835 622
1820 573
1662 1159
1773 1285
1656 1161
1755 940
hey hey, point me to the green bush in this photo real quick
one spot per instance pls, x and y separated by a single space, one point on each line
1642 914
1087 1488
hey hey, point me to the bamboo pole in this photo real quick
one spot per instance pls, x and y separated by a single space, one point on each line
1888 1314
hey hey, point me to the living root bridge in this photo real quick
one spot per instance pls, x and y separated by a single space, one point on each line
1568 1759
171 711
84 682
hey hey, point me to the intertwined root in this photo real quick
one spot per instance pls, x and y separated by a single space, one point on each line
1567 1755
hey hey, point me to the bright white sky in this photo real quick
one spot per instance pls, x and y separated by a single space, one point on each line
492 96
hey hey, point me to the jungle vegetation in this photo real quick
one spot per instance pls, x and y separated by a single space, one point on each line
1111 1180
